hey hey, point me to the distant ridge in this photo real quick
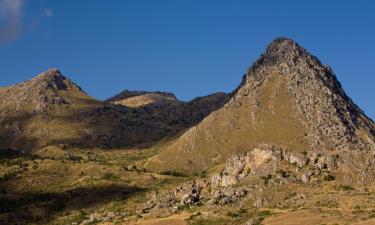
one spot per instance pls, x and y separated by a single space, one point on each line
50 109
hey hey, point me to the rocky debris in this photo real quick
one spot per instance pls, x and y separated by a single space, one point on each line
193 193
149 206
228 195
259 161
299 159
305 177
296 200
191 198
95 218
188 194
263 162
319 161
254 221
328 162
262 202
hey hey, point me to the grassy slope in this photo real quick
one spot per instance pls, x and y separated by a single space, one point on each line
233 129
64 186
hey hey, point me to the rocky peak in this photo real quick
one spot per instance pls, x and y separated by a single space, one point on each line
286 52
288 99
321 103
52 79
283 46
42 92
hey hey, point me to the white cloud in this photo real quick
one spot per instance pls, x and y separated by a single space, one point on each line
11 14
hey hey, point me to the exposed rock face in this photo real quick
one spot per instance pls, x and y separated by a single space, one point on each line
267 163
259 161
42 92
332 120
296 158
287 98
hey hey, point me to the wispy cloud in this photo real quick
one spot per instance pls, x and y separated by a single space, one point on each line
48 13
11 13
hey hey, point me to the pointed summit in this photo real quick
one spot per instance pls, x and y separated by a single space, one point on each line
283 45
285 52
43 92
53 79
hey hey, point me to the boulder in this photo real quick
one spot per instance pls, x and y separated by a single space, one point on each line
305 178
296 158
259 161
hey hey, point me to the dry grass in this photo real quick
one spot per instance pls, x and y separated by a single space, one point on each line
234 129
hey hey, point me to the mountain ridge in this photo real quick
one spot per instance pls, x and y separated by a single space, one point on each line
50 109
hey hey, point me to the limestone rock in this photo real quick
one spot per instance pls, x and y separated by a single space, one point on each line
258 161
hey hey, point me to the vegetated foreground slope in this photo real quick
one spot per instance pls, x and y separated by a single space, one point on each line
50 109
287 99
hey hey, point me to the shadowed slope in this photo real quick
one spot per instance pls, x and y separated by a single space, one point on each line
50 109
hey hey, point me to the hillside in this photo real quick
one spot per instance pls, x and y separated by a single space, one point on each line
287 99
52 110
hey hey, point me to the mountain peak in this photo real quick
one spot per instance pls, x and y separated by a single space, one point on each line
47 89
51 72
288 55
282 46
288 99
51 79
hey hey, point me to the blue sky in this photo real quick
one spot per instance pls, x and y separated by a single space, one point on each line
188 47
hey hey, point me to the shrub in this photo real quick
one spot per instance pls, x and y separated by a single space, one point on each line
282 172
74 158
328 178
266 178
264 213
173 173
233 214
345 187
109 176
8 176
